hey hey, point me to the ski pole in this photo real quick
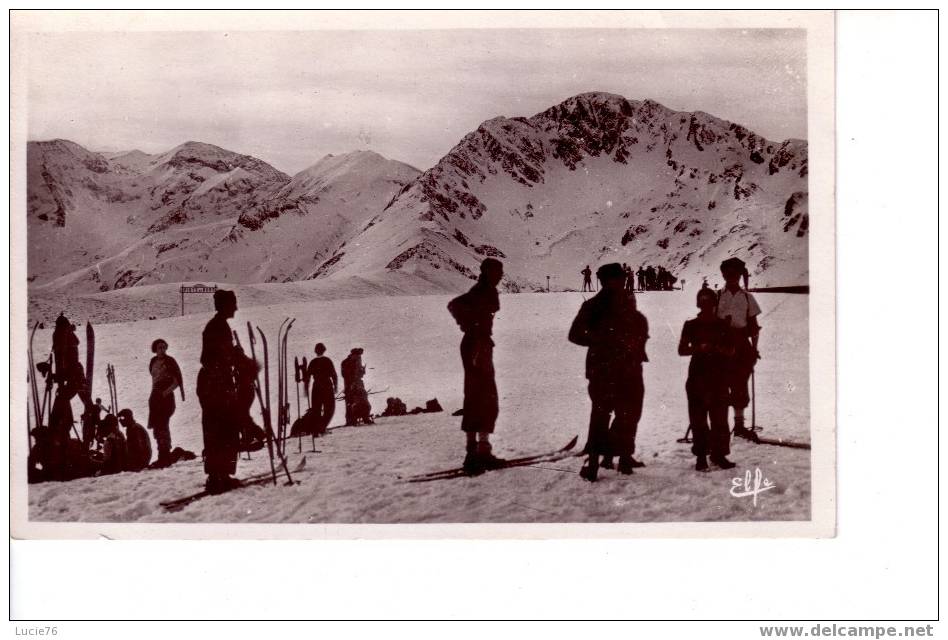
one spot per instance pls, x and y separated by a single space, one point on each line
753 403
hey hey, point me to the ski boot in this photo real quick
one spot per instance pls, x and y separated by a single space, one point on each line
487 459
472 464
722 462
636 464
625 466
590 470
702 464
607 463
741 431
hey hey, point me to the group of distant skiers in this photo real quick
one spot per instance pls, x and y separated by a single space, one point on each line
721 341
647 278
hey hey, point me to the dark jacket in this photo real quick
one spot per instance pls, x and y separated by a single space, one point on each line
322 373
615 332
114 453
707 341
165 373
474 311
139 447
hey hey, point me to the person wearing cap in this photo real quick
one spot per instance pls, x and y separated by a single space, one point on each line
165 378
137 440
217 395
358 408
615 333
740 310
325 385
474 312
706 339
587 279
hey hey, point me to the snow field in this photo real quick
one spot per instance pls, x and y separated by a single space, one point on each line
411 348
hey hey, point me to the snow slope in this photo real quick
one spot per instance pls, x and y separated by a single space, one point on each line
411 346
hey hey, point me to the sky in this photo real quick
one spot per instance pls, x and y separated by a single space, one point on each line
290 98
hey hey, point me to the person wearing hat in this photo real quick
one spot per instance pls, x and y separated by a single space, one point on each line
706 339
137 440
322 375
615 333
217 395
740 310
474 312
165 378
358 409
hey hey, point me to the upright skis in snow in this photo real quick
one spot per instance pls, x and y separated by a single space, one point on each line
265 408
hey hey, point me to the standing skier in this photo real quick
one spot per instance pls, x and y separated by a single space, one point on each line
474 312
70 376
740 310
322 375
358 408
587 279
615 333
165 378
217 395
137 440
707 340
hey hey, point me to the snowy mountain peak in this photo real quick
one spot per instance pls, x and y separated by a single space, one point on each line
597 178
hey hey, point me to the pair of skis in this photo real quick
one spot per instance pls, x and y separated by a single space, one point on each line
257 479
263 391
113 389
40 408
283 387
525 461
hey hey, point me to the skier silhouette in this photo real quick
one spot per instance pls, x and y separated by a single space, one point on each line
165 378
322 374
587 278
615 333
217 395
740 310
474 312
706 339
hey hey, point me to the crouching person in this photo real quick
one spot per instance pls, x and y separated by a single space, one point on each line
114 454
137 442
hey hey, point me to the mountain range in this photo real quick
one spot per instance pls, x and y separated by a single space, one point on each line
597 178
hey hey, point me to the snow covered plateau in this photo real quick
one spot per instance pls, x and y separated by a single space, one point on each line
411 346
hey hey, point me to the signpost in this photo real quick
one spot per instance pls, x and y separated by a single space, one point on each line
196 288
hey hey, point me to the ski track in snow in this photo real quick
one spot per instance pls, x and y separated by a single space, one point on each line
411 344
